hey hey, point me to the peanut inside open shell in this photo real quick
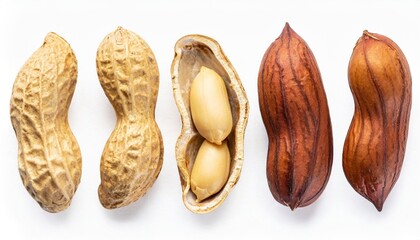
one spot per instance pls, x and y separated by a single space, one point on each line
191 53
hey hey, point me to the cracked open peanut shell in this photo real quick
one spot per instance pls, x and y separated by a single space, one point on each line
191 53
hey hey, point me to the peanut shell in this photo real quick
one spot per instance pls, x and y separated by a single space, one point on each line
133 155
191 53
380 81
295 113
49 159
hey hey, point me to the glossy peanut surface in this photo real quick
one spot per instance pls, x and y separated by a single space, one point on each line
295 113
380 81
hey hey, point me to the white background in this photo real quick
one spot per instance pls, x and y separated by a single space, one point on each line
244 29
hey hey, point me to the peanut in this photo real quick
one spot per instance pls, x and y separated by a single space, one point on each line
211 169
210 107
295 113
212 117
49 158
219 114
133 155
380 81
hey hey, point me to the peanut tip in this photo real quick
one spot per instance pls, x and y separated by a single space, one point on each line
287 28
379 203
51 36
368 34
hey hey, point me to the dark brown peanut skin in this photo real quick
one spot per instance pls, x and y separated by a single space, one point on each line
295 112
380 81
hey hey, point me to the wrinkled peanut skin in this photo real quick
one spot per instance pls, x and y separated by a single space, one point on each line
133 155
50 163
380 81
295 113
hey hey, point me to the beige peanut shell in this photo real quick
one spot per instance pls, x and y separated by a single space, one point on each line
192 52
133 155
49 159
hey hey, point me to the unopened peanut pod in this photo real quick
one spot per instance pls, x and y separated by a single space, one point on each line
380 81
295 113
49 158
133 155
